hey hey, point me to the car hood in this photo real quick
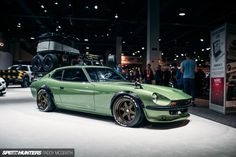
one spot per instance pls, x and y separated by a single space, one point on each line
170 93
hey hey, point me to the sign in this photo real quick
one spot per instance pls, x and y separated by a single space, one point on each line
223 69
130 60
217 71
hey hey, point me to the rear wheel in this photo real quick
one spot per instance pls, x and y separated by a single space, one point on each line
37 62
127 111
50 62
44 101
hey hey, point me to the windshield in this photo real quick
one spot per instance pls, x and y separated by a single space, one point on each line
103 74
15 67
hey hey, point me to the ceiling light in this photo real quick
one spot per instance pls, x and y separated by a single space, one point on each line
87 48
69 5
109 29
182 14
56 29
32 38
208 48
85 39
133 54
202 50
42 6
201 40
1 44
59 27
196 60
159 39
95 35
86 7
182 54
19 25
140 56
177 56
116 16
56 3
107 34
45 11
131 32
162 54
143 48
123 42
138 51
95 7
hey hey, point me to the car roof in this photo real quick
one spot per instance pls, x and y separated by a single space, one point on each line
20 65
83 66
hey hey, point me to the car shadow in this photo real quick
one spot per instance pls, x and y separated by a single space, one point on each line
165 126
145 125
15 86
86 115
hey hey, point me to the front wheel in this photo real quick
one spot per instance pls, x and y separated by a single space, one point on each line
44 101
127 111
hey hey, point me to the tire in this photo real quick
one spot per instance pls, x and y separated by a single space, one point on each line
127 111
25 82
50 62
37 63
45 101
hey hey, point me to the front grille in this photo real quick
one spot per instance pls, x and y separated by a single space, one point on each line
182 102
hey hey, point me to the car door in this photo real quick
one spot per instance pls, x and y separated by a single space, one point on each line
75 90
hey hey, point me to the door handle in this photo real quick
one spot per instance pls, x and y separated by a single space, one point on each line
61 87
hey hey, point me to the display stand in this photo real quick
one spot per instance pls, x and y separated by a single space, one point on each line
223 69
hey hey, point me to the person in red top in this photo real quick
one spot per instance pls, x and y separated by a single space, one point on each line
148 74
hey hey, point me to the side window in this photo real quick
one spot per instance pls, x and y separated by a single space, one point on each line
57 75
24 68
74 75
92 74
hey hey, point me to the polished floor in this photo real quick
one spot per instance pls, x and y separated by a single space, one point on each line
23 126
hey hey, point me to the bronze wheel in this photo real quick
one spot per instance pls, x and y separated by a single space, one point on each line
127 112
44 101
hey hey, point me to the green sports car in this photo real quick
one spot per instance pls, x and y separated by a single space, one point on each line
100 90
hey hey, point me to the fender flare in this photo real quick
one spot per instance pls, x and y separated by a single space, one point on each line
46 88
129 93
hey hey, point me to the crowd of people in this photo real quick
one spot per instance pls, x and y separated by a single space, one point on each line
185 76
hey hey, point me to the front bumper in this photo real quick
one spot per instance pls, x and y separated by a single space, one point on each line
165 114
3 90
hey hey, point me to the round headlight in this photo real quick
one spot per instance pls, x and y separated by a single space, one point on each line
155 97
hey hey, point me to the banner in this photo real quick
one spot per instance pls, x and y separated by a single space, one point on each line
217 72
223 69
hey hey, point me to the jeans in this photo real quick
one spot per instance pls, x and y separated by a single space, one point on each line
189 87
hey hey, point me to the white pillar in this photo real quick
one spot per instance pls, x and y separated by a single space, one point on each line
153 33
118 49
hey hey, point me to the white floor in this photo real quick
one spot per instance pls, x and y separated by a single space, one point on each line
23 126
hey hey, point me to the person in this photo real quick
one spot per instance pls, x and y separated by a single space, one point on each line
118 69
137 75
173 76
166 76
199 80
148 74
159 75
188 68
179 79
